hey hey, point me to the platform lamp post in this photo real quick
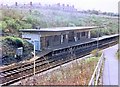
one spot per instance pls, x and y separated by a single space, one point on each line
34 58
97 37
98 32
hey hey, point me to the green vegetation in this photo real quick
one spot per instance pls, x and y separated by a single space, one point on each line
9 47
15 41
118 54
13 19
96 53
92 59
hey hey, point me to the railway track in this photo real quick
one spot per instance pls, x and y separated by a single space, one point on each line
40 67
46 62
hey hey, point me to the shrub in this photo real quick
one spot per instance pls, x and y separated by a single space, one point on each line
96 52
9 47
18 42
118 55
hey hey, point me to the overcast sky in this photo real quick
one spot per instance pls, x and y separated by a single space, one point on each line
103 5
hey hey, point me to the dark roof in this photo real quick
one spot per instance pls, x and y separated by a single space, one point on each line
57 29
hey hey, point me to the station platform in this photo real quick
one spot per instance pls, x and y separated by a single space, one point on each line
62 46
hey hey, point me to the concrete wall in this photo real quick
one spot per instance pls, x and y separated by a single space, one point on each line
30 37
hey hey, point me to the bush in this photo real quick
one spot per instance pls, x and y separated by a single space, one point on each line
9 47
14 41
118 55
96 52
19 42
3 25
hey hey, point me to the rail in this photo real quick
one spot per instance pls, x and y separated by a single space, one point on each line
96 74
28 68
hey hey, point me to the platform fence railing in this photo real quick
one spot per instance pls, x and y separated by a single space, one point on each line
98 70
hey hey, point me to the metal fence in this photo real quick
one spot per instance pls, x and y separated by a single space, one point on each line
96 74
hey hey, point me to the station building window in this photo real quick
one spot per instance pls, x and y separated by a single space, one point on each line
64 38
83 34
56 38
78 35
71 36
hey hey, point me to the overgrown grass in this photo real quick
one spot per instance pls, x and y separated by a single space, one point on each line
96 52
76 73
92 59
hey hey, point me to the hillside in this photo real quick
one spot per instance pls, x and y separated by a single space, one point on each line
13 19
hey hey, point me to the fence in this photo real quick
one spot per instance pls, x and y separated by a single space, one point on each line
96 74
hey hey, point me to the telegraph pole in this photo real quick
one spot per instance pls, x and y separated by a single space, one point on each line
34 58
97 41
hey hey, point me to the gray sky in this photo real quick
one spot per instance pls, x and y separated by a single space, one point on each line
103 5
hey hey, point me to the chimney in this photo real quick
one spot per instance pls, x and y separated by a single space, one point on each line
40 4
16 4
63 5
67 5
30 3
72 6
58 4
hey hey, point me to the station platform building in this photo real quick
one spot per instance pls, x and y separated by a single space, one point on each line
45 38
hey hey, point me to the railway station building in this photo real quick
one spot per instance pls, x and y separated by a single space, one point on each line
45 38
